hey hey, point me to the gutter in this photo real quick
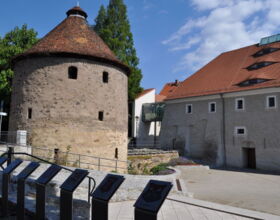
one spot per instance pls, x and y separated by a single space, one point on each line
224 129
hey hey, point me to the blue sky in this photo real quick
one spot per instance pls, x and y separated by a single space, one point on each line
173 38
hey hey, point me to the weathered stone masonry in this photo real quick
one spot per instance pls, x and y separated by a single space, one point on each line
65 111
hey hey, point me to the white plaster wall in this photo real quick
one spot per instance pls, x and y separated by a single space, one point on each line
144 132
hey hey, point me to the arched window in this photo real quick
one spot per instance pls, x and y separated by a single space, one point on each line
105 77
72 72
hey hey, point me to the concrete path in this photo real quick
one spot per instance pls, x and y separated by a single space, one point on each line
170 211
254 191
183 208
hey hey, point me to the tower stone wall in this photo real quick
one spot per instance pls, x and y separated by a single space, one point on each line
60 112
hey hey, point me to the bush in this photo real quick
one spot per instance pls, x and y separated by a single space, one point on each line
155 170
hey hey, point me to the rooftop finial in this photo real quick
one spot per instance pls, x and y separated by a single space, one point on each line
78 3
77 11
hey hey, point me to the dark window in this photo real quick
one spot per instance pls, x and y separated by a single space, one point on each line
240 131
105 77
29 113
239 104
100 116
72 72
212 107
251 82
259 65
189 109
265 51
271 102
116 153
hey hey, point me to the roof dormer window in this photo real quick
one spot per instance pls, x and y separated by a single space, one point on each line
265 51
259 65
251 82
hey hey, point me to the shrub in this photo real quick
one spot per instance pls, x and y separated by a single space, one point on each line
155 170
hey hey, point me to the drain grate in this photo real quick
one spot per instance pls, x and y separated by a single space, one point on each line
179 187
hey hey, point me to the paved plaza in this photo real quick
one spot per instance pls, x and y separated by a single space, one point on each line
248 190
183 208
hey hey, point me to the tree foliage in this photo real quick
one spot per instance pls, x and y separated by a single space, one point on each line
14 42
112 25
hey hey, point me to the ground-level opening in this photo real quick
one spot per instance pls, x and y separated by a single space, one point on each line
249 158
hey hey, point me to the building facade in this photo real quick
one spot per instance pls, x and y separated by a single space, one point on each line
70 92
147 115
227 113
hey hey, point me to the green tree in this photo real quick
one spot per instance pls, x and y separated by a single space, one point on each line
113 27
13 43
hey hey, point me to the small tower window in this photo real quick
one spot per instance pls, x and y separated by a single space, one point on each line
29 114
212 107
105 77
72 72
116 153
100 116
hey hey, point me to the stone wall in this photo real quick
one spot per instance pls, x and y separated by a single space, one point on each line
65 111
142 162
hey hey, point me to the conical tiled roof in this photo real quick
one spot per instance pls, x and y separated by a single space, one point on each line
73 38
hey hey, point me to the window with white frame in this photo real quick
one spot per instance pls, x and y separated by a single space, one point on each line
212 107
239 104
189 108
271 102
240 131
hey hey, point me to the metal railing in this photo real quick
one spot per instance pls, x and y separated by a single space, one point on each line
80 160
66 158
11 152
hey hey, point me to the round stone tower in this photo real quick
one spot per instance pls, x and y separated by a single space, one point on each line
70 92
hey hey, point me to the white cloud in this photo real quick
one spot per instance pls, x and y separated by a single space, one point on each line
210 4
225 25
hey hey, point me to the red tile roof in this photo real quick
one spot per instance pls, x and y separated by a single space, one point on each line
169 88
225 72
73 38
144 92
160 98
